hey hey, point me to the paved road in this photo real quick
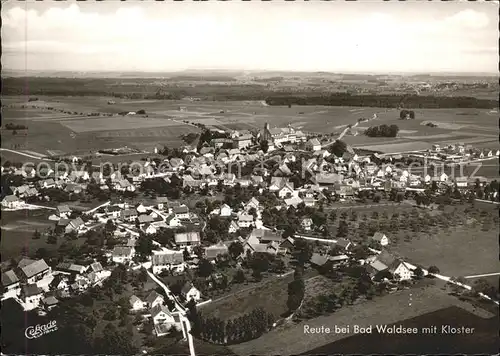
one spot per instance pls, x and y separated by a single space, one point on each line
182 311
482 275
26 154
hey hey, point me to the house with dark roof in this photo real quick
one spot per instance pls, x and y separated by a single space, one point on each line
168 261
184 239
59 283
122 254
181 212
34 270
10 282
380 238
212 252
189 291
11 202
344 244
50 303
313 145
136 303
154 298
31 296
76 224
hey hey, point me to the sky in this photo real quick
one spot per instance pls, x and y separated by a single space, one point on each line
363 36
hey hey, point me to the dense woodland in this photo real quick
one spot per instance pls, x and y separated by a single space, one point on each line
143 89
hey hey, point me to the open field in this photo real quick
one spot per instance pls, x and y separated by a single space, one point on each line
18 228
462 252
484 339
120 123
398 147
271 296
291 340
164 123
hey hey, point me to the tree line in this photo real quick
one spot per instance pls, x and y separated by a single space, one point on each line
384 101
244 328
382 131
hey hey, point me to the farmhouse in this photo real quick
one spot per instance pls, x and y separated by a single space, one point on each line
243 141
306 223
185 239
32 295
11 202
167 261
380 238
213 251
122 254
181 212
190 292
50 303
63 211
74 225
34 270
136 303
245 220
10 282
154 299
313 145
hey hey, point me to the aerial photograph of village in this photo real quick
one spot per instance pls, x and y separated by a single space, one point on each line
249 178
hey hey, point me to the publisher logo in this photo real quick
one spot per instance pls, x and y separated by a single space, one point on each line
36 331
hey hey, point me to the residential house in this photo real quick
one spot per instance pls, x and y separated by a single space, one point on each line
181 212
149 229
136 303
327 179
32 295
306 223
318 261
185 239
313 145
252 203
172 221
176 164
59 283
50 303
63 211
245 220
212 252
233 227
145 219
401 270
34 270
189 291
161 202
47 183
128 215
309 202
266 235
287 244
122 254
154 299
293 201
10 282
123 185
71 268
380 238
243 141
76 224
462 182
168 261
11 202
164 320
286 191
344 244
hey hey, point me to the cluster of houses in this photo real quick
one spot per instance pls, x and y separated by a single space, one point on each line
34 284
